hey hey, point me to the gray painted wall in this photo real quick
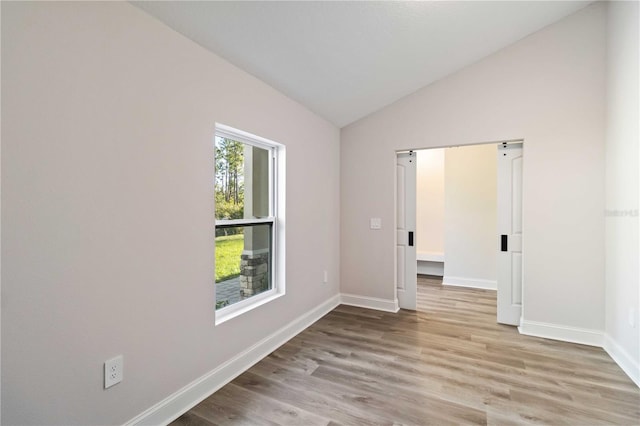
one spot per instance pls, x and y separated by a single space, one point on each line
548 89
107 209
623 289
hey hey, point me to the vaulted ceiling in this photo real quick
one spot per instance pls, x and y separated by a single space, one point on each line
345 60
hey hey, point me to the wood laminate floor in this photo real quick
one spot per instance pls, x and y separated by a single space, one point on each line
447 363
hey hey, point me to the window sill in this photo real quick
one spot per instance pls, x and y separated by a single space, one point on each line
228 312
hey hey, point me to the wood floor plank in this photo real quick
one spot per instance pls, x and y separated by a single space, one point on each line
191 419
216 412
311 399
263 407
449 362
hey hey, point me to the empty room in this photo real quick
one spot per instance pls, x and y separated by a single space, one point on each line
211 213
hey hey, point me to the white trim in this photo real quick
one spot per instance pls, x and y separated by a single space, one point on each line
470 282
246 305
564 333
621 357
386 305
244 222
430 268
245 137
186 398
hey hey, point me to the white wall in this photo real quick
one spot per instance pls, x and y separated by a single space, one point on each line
107 209
622 253
547 89
430 201
470 248
0 235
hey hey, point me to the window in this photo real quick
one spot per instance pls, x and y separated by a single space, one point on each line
249 221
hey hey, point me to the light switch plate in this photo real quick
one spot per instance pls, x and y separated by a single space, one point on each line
375 223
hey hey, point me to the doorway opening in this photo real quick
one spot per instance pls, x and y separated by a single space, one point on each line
459 220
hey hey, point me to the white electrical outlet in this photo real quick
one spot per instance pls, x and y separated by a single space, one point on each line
113 371
325 277
375 223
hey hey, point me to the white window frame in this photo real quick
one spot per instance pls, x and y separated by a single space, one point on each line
276 218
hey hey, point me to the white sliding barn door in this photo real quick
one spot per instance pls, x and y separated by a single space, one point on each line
406 280
509 233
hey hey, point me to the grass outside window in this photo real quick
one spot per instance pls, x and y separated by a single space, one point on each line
228 251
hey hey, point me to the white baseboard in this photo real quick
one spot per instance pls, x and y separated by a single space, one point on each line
430 268
582 336
186 398
470 282
369 302
629 365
